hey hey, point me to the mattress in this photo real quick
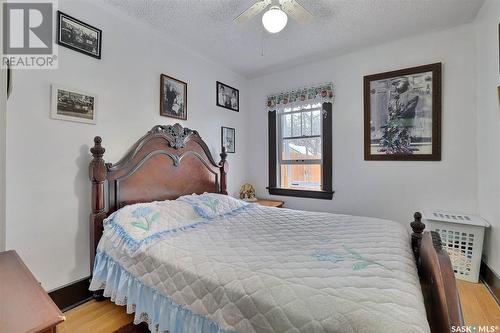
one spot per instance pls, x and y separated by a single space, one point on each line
262 269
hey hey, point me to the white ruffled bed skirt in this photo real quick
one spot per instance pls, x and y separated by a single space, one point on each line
158 311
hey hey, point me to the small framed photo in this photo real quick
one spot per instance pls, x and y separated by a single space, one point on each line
228 139
228 97
73 105
78 36
403 114
173 97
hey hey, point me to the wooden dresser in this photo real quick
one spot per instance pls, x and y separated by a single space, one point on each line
24 305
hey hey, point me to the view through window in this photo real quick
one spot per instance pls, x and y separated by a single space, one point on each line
300 142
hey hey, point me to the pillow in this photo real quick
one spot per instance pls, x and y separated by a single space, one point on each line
212 205
138 225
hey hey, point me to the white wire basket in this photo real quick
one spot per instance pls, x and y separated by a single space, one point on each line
462 236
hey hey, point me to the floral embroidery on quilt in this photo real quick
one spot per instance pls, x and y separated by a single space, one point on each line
324 239
363 262
144 220
326 255
211 205
335 257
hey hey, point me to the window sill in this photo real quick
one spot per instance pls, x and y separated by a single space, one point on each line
326 195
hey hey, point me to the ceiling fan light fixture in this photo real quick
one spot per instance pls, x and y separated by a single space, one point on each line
274 20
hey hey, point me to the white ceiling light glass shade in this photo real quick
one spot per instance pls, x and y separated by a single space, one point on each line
274 20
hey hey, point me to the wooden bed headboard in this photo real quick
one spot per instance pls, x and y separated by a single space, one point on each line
166 163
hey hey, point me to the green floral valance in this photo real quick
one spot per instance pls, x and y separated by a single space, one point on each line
318 93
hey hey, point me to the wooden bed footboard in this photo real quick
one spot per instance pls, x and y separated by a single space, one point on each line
437 279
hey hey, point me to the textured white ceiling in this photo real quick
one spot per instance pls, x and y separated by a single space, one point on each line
339 26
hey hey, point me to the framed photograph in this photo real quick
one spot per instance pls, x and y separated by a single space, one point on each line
228 139
403 114
228 97
73 105
78 36
173 97
9 79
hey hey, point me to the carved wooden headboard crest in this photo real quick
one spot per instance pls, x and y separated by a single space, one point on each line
168 162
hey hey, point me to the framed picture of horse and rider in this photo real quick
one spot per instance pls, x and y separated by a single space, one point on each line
402 114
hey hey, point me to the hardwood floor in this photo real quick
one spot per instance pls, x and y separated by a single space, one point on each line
478 306
95 317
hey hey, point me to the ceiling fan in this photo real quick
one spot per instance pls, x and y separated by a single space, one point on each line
275 18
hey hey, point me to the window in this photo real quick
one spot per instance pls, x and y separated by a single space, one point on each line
300 151
299 148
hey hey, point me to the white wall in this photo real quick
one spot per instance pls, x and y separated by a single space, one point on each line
48 189
488 126
385 189
47 160
3 112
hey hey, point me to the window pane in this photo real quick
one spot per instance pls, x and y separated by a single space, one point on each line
287 125
316 122
301 149
301 176
306 123
296 124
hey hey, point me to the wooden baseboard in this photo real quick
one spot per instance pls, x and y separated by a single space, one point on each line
491 279
72 295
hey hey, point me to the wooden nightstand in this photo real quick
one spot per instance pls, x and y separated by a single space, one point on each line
270 203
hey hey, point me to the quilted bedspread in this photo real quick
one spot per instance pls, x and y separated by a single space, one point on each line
261 269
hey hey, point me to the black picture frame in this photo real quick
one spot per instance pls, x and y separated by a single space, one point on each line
9 79
63 37
223 143
229 104
167 100
403 118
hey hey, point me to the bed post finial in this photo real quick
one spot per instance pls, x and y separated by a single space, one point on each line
416 237
97 173
223 167
98 150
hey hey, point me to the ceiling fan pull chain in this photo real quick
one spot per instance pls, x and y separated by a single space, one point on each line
262 45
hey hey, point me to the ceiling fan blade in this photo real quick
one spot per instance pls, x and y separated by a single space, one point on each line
255 9
296 11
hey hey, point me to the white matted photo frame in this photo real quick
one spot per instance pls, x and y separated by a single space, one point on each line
73 105
228 139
